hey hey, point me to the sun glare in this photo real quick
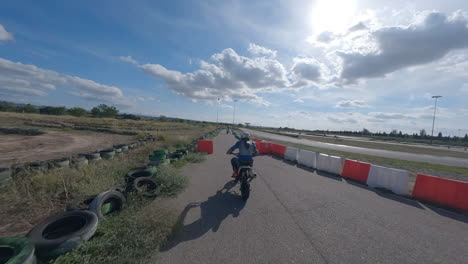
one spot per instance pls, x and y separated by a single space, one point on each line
333 15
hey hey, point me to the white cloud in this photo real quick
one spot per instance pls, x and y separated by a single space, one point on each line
464 88
128 59
4 34
307 70
261 51
351 104
234 76
428 39
17 79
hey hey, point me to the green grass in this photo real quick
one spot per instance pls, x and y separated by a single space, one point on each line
457 173
128 237
195 157
171 181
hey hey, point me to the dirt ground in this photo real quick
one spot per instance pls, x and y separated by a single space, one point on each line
52 145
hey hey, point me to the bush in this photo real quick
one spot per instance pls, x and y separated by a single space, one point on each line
104 110
28 109
52 110
170 180
77 111
195 157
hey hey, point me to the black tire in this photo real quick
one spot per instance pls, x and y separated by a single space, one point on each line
60 163
119 188
16 250
63 232
108 154
245 188
137 173
93 156
146 186
106 203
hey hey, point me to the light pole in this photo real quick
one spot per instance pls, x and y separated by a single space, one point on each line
435 109
234 112
217 112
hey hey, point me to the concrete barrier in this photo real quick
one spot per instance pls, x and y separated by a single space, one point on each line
356 170
388 178
205 146
278 150
263 147
330 164
291 154
442 191
307 158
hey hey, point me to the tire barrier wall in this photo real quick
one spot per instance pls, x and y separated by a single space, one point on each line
278 150
205 146
307 158
330 164
76 161
388 178
442 191
291 154
356 170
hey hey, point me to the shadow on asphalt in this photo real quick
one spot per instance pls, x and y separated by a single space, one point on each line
447 212
213 212
329 175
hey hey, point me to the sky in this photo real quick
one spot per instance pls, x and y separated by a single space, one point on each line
320 64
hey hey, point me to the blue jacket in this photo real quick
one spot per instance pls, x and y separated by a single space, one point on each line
246 149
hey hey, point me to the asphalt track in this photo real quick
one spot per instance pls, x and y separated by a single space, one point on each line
295 215
450 161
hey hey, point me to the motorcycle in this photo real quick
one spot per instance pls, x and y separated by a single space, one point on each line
244 177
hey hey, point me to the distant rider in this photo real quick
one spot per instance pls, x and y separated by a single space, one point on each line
247 149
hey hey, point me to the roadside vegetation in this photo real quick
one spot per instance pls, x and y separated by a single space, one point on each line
451 172
127 236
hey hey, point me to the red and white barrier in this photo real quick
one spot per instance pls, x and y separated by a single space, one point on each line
263 147
278 150
205 146
307 158
388 178
442 191
291 154
331 164
356 170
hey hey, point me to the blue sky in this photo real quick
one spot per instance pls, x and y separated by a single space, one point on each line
323 64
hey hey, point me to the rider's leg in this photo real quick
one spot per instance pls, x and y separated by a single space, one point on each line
235 165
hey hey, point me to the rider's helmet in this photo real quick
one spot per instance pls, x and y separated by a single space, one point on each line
245 136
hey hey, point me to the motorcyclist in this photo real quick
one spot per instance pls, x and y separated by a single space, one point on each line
247 149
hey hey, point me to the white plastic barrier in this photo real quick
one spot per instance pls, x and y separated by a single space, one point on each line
307 158
331 164
291 154
390 179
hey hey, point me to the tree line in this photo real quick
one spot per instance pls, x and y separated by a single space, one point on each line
101 110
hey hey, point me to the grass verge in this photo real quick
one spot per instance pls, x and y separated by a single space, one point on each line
413 167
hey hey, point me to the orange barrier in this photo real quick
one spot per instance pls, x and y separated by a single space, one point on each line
442 191
356 170
263 147
205 146
278 150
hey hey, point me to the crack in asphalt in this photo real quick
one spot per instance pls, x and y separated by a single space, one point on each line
309 239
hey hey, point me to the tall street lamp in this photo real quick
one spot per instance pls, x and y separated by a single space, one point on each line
435 109
234 112
217 112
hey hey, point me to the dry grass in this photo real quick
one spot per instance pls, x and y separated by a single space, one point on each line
68 123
